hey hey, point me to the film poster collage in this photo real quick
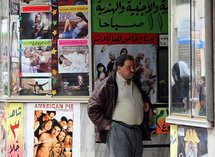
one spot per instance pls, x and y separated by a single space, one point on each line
36 67
32 65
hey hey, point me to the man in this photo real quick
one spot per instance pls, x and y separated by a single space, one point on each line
110 66
63 122
70 126
117 107
37 87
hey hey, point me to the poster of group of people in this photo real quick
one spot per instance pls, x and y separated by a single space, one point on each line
49 47
145 61
50 130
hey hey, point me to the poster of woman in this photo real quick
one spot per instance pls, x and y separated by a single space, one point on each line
36 25
73 22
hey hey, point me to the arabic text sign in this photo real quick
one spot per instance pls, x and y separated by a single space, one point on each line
124 38
15 142
148 16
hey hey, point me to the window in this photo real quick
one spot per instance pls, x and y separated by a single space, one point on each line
190 59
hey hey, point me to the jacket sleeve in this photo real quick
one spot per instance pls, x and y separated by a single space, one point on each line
96 108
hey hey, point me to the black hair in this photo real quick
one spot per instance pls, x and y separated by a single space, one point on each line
63 118
123 50
98 66
122 58
70 120
49 112
60 61
81 15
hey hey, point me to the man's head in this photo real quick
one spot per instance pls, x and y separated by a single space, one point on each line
63 121
125 66
147 62
112 56
140 55
69 124
51 114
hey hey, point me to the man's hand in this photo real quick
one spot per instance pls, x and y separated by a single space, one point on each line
146 107
107 127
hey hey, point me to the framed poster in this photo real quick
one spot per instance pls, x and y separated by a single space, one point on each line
51 126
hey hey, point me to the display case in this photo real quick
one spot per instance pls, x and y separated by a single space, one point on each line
37 58
190 68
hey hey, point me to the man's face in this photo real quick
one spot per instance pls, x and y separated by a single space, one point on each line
140 56
147 62
55 131
112 56
51 115
63 123
127 70
70 124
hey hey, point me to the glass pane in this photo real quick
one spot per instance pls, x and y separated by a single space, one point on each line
180 57
4 48
4 57
198 59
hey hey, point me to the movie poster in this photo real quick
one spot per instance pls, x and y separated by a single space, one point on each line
73 22
161 126
36 57
3 128
72 78
145 60
15 129
73 59
35 86
173 140
36 22
192 141
50 126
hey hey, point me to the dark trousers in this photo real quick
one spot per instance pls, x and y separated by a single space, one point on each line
124 140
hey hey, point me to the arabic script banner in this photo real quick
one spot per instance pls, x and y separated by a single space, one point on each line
15 143
139 16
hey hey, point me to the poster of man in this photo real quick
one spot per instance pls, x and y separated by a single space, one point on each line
145 63
35 86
